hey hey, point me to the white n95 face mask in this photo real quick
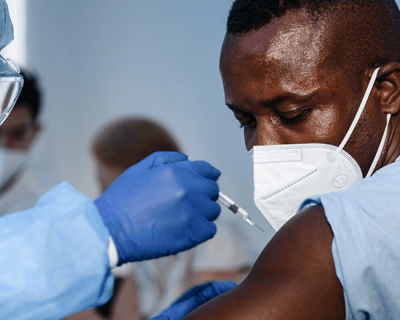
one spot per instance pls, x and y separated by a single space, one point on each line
285 175
11 161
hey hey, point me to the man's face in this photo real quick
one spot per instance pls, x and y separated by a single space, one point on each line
19 130
284 88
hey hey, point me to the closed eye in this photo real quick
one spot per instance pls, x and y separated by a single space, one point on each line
246 120
292 117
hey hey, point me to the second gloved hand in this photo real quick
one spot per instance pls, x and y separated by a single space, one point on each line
194 298
161 206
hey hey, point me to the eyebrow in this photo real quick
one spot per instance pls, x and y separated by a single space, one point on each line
233 108
277 100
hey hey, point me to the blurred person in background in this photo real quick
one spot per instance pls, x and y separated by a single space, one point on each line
21 183
143 289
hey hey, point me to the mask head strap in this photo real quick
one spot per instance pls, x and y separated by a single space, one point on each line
359 112
379 152
355 121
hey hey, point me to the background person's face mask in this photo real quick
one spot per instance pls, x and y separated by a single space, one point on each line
285 175
11 162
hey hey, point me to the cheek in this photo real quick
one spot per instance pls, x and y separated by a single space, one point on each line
264 134
365 140
327 126
27 144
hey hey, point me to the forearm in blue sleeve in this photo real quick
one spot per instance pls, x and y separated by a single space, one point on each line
53 258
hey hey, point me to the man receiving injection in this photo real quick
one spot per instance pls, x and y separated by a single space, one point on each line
316 86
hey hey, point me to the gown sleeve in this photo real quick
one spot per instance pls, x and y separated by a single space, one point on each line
53 258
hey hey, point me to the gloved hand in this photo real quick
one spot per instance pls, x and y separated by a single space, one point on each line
194 298
161 206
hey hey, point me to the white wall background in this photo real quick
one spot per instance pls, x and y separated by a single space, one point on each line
101 59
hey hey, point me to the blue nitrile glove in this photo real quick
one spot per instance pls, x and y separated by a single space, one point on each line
194 298
161 206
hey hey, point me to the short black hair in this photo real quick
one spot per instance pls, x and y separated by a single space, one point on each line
365 34
252 15
31 93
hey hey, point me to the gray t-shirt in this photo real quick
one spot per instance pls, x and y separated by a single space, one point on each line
365 220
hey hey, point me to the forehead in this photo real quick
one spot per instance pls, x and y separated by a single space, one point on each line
292 48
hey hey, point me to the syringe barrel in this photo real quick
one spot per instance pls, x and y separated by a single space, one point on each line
242 213
224 202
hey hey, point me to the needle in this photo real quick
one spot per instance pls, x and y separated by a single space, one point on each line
240 212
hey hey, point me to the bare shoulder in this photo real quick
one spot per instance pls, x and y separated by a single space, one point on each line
293 278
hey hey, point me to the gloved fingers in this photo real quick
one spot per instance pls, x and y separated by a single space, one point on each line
195 297
208 230
206 186
160 317
200 204
205 169
211 189
197 227
208 291
165 157
190 175
157 159
184 228
211 210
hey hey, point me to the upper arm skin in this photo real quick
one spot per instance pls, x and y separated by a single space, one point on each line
294 278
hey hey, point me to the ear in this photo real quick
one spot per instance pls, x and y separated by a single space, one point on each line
388 84
37 129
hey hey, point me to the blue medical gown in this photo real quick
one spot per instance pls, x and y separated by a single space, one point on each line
365 220
53 258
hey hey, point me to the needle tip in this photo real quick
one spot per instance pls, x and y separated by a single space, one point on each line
259 228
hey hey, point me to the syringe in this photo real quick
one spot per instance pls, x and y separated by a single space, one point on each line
240 212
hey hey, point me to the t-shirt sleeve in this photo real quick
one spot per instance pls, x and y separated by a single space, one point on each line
365 220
